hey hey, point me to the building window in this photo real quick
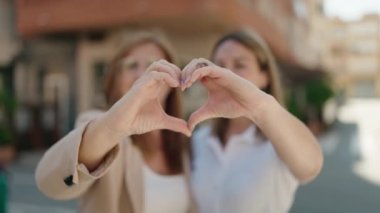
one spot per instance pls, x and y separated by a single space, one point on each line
99 71
364 88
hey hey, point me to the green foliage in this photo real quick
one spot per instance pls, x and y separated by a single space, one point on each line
311 95
7 108
294 107
318 92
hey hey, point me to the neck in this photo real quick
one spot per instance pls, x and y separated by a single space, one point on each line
237 126
151 146
150 143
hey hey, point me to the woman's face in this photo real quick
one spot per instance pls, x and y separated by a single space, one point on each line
136 63
242 61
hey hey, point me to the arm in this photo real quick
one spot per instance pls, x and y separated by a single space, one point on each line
137 112
294 143
59 174
231 96
70 167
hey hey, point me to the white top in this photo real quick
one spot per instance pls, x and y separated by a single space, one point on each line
245 176
164 193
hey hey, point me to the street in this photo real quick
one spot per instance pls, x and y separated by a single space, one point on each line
348 183
350 179
24 195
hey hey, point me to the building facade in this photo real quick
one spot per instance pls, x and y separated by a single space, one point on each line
353 56
67 47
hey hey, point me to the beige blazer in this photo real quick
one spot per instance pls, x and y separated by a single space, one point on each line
115 186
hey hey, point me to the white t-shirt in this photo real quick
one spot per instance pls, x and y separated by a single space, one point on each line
245 176
164 193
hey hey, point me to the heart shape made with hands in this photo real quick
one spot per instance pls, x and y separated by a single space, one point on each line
223 86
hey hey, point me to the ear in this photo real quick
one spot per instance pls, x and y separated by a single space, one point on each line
263 79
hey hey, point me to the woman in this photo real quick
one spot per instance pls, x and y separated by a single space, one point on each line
254 156
120 160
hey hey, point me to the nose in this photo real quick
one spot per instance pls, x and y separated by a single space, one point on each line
140 71
229 66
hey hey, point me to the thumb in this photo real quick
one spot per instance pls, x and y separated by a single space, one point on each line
200 115
176 125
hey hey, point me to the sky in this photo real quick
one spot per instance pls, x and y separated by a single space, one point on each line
351 9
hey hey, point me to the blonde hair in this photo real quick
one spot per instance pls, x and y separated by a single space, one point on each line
175 143
129 43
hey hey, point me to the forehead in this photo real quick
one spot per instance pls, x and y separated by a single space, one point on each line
146 49
232 48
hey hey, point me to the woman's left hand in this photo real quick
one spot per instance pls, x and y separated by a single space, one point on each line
229 95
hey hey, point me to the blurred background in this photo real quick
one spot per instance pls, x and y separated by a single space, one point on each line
53 56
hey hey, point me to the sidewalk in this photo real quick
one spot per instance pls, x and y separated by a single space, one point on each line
350 179
25 197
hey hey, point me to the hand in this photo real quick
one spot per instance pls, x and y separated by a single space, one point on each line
229 95
140 110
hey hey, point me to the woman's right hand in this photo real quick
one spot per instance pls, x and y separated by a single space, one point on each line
140 109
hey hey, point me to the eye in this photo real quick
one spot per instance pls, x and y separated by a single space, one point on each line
220 64
239 65
149 62
130 65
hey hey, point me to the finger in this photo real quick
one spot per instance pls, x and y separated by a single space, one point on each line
202 62
197 75
187 71
173 66
160 77
202 114
199 64
160 66
184 70
184 74
176 125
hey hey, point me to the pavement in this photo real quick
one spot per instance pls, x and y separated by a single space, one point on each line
24 195
349 181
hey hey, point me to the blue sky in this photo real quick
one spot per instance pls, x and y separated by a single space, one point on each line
351 9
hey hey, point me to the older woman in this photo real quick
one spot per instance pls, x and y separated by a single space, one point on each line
121 160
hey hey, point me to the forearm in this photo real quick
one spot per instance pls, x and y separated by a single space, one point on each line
59 163
98 140
294 143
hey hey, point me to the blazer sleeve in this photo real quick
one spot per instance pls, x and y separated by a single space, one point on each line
60 176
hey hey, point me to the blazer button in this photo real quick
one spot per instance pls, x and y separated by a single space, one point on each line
69 180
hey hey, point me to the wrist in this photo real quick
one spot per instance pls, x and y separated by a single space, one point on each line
112 127
267 105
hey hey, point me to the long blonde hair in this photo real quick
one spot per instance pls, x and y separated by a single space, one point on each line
174 143
127 46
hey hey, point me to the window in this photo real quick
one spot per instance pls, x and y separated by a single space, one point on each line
99 69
